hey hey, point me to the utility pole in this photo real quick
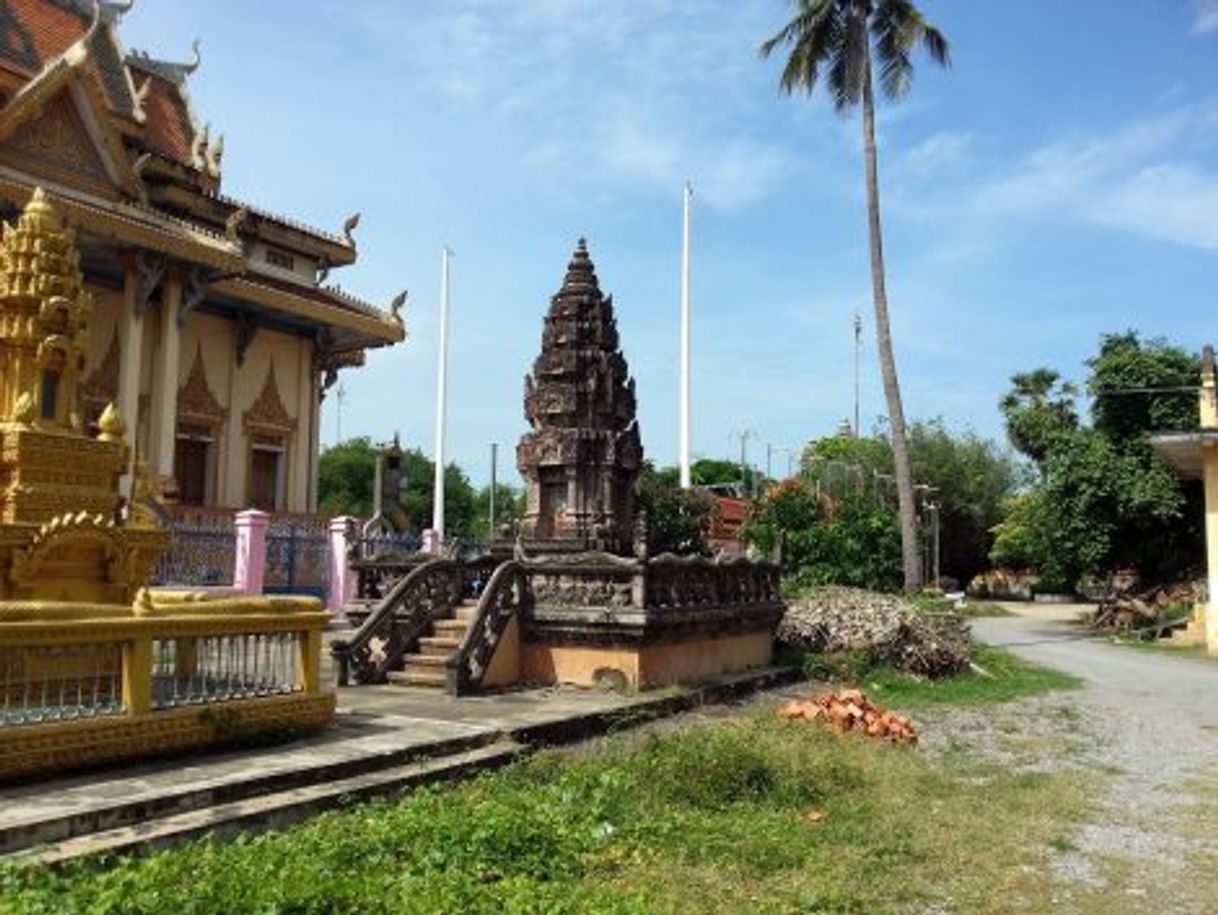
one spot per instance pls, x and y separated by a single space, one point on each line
858 346
686 472
437 523
494 470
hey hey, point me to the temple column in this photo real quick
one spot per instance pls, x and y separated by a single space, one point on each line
314 437
165 378
131 344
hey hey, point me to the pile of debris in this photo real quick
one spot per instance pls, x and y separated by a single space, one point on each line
891 630
850 710
1150 611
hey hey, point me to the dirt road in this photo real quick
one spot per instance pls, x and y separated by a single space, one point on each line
1147 720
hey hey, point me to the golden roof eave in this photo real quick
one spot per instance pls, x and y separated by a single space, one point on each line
383 331
131 224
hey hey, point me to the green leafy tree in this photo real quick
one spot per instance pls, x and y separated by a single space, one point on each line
346 476
509 509
1139 387
1105 501
848 541
677 519
967 476
1040 412
843 41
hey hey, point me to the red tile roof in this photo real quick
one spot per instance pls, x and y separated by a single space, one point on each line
168 129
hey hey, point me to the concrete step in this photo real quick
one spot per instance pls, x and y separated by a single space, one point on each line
438 645
81 806
273 810
450 628
414 678
467 612
424 663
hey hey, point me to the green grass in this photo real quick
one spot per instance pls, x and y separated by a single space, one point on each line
709 818
1001 678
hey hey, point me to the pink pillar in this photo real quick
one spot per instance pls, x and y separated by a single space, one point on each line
250 570
342 581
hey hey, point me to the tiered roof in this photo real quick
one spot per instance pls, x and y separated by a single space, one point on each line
164 165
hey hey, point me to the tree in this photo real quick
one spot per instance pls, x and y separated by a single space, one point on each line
1141 387
827 541
346 475
1039 412
968 477
1104 501
837 37
677 519
509 509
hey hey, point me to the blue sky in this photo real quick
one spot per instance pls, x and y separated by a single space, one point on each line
1059 182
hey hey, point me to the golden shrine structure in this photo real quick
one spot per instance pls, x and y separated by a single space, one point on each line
93 668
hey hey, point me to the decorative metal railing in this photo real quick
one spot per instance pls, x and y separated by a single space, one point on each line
82 661
505 596
44 683
189 671
297 555
394 626
202 551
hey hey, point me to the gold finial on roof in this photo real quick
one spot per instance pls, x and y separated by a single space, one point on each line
111 425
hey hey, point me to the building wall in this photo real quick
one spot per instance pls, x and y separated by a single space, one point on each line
213 339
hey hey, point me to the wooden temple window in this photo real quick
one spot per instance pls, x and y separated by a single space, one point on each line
266 480
194 460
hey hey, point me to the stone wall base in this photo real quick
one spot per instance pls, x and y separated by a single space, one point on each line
633 666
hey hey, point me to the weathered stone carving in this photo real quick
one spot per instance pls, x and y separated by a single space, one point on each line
583 453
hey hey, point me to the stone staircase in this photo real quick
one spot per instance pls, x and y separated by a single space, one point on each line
425 668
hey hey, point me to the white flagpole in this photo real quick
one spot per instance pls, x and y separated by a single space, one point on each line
686 473
437 524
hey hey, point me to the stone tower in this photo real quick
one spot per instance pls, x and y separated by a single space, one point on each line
582 455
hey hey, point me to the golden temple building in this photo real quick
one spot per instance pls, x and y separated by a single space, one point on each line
214 327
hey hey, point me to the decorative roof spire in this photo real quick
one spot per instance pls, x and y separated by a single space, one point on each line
581 273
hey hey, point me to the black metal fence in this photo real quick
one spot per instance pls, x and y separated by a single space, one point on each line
202 553
297 557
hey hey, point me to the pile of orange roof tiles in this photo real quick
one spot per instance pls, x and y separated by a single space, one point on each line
850 710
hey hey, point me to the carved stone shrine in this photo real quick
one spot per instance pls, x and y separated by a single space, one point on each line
582 455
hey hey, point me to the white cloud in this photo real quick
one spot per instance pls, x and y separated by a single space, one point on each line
1137 178
1206 21
941 151
1176 203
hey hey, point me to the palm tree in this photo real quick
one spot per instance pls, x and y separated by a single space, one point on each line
839 38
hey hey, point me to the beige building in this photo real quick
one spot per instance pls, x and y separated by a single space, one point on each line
215 329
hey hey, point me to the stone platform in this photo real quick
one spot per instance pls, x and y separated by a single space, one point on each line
386 740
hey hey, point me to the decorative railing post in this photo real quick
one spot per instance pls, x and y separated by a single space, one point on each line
342 578
137 676
249 571
309 661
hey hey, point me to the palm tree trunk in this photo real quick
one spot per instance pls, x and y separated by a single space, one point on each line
883 334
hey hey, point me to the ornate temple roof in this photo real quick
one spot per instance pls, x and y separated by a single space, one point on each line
161 158
580 379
